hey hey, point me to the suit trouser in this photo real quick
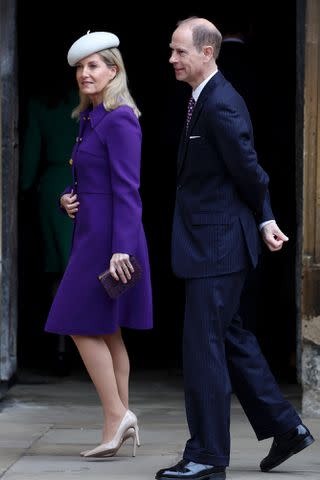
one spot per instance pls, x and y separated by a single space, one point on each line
217 353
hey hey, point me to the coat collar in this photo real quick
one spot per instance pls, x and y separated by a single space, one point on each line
94 115
207 89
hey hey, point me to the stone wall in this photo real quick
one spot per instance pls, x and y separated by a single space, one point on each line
8 190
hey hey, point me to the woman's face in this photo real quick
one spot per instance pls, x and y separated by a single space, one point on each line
93 75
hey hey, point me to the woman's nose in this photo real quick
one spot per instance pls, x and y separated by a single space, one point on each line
84 72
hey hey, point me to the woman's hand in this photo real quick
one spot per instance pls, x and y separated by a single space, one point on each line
120 266
69 202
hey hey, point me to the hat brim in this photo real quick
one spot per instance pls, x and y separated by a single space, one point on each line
89 44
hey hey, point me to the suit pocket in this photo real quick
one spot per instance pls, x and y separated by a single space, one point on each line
210 218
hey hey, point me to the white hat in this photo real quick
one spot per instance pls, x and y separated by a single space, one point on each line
91 43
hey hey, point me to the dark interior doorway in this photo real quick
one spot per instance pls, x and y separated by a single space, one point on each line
270 30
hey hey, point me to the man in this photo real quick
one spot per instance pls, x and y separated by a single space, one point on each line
222 199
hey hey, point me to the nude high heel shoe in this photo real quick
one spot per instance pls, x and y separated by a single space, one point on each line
110 448
128 434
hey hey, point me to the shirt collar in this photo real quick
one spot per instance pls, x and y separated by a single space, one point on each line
196 92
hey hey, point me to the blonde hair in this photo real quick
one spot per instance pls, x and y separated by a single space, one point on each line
116 92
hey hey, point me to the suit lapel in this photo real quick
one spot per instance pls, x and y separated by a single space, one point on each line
182 148
184 140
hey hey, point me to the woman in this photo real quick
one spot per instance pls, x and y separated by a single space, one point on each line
105 204
44 168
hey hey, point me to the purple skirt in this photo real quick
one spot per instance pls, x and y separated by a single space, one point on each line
81 305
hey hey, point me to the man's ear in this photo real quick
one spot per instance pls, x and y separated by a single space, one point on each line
208 52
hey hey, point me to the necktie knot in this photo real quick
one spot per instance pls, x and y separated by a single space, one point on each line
191 105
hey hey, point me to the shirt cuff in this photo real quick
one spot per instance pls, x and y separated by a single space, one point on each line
265 223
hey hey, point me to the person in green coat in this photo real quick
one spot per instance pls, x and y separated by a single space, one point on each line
49 137
47 141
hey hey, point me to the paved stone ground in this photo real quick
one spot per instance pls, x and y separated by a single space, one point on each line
44 426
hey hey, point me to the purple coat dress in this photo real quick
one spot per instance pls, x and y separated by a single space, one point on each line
106 172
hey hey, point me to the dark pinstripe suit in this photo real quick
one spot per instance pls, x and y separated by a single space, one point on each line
222 195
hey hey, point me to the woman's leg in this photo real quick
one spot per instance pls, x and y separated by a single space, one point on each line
98 361
121 365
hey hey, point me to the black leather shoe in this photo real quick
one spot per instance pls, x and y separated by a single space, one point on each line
286 445
189 470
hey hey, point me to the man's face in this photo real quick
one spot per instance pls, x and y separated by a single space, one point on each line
186 60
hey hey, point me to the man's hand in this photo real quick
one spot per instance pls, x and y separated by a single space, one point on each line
273 237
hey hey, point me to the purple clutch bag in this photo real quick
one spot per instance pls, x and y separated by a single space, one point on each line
115 288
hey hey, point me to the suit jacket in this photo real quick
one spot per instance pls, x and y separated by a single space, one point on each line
238 65
222 191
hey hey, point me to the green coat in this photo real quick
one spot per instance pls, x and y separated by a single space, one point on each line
47 144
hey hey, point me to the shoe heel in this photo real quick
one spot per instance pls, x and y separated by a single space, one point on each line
136 439
134 446
137 436
305 443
